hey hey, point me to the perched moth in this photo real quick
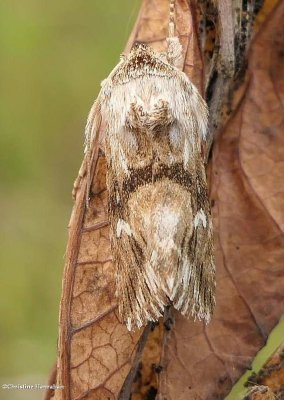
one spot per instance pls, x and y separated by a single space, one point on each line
152 121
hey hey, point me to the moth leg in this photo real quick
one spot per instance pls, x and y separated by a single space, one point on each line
136 117
78 180
174 52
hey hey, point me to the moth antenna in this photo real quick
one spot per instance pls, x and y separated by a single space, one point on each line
90 132
88 178
88 159
172 24
174 52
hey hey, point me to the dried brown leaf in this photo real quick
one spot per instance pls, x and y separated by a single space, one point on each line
98 357
247 193
96 351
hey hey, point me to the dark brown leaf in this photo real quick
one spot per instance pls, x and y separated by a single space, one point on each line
247 191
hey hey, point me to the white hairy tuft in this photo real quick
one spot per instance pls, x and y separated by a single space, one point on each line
200 217
123 226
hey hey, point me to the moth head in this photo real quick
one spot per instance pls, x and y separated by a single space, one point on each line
140 47
142 61
140 55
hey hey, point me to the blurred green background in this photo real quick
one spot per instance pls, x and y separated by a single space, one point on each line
53 56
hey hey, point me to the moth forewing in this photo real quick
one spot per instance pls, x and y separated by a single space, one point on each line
160 226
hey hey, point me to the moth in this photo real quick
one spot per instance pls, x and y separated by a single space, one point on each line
152 120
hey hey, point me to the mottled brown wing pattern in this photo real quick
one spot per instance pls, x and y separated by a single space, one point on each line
161 230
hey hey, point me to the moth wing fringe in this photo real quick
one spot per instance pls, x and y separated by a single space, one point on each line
141 297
